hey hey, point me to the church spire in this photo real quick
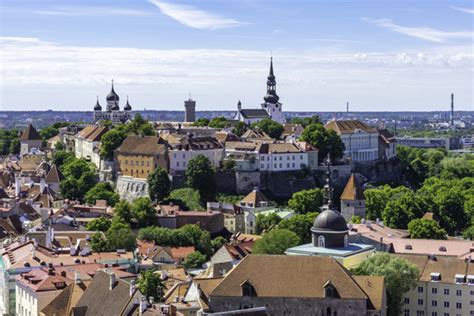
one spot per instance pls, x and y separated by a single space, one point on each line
271 96
328 190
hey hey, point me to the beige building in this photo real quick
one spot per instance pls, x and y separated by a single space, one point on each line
138 156
445 287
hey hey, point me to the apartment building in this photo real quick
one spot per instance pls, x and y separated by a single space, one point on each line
87 143
445 287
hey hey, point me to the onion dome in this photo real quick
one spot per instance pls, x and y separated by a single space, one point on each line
127 107
113 96
239 105
97 106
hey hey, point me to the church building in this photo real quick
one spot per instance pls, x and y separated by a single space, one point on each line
112 112
271 107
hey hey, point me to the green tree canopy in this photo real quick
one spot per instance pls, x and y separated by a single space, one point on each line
240 128
48 132
306 201
200 176
422 228
399 212
159 184
305 121
201 122
194 260
327 141
110 141
218 242
301 225
120 236
123 210
149 283
99 224
276 242
102 191
219 122
469 233
400 277
143 212
269 126
229 164
266 222
62 157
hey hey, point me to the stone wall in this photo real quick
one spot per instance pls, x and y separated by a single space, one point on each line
246 181
131 188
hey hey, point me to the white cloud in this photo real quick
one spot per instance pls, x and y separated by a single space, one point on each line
67 77
424 33
466 10
91 11
195 18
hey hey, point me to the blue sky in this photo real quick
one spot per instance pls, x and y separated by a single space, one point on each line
378 55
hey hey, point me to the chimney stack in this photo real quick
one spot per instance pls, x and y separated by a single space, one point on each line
17 185
132 287
112 281
77 277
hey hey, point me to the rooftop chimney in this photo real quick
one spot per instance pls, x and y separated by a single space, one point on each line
132 287
77 277
112 281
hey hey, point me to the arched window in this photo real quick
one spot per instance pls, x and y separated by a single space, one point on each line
346 241
321 242
328 311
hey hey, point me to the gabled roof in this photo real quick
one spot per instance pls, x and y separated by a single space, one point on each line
386 136
374 287
298 276
147 145
278 148
254 113
255 133
353 191
63 303
348 126
30 133
54 175
92 132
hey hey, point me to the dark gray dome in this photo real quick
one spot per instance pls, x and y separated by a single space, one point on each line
115 107
97 106
330 220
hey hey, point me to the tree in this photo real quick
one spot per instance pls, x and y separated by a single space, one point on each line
15 147
149 283
219 122
110 141
305 121
143 212
266 222
240 128
159 184
201 122
123 211
70 189
99 243
139 126
400 277
306 201
62 157
399 212
120 236
99 224
200 239
228 198
356 219
301 225
218 242
327 141
59 146
102 191
86 182
269 126
229 164
469 233
187 198
276 242
75 168
422 228
194 260
200 176
48 132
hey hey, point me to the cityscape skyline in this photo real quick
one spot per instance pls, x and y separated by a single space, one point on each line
396 56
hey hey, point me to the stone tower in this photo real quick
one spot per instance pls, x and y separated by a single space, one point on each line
189 110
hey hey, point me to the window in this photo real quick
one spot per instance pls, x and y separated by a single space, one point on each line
446 291
434 314
406 300
321 242
458 292
248 289
420 301
446 304
434 290
458 305
420 313
420 289
434 303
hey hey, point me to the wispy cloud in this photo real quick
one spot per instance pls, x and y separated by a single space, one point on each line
91 11
195 18
466 10
424 33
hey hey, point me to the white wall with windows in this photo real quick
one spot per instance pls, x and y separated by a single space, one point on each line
179 159
283 161
360 145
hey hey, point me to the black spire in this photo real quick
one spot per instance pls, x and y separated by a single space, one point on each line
127 107
271 96
97 106
328 190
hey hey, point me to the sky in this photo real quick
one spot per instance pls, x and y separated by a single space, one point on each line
378 55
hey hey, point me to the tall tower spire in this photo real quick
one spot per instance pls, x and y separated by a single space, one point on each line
452 109
271 96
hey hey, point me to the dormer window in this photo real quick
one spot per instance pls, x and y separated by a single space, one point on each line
408 247
435 277
330 291
459 278
470 279
248 289
442 248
